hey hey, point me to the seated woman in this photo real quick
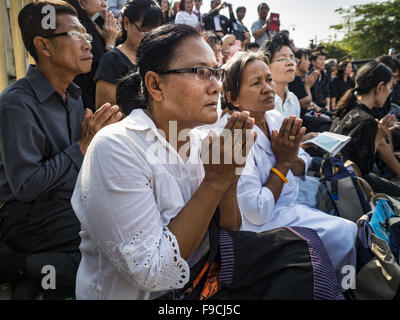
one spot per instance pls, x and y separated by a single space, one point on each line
137 18
268 188
186 16
145 199
341 82
353 118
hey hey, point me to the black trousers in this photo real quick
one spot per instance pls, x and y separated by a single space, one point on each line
382 185
48 231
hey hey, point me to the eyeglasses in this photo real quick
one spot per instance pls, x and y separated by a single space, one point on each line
286 60
201 73
76 35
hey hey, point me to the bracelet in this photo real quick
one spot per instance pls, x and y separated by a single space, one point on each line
110 47
280 175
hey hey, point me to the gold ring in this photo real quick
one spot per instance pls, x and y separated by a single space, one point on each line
292 138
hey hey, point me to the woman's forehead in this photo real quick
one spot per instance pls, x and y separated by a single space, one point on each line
195 51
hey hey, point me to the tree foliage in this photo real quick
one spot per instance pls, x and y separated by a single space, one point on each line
370 29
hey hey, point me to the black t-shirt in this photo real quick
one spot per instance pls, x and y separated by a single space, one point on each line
359 124
114 66
339 87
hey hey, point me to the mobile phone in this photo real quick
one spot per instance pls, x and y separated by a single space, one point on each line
98 19
274 22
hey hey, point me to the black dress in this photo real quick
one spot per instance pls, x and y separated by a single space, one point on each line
360 125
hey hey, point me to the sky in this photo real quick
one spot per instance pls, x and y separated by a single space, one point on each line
305 19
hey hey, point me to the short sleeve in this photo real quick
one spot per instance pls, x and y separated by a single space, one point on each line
297 87
111 68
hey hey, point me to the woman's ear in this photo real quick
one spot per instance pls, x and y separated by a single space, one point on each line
236 103
126 23
82 3
152 83
380 86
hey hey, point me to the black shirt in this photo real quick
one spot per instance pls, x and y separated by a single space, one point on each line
339 87
321 89
297 87
114 66
360 125
39 134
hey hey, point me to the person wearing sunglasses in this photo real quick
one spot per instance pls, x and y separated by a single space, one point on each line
138 17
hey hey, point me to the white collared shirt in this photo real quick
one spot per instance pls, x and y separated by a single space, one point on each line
291 106
190 19
125 197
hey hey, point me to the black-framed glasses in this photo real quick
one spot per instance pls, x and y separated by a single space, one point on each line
76 35
201 73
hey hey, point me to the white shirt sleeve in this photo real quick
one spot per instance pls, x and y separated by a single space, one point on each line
117 208
256 202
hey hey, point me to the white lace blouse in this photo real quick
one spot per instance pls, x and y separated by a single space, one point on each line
125 196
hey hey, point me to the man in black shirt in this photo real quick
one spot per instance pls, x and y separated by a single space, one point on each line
44 135
320 90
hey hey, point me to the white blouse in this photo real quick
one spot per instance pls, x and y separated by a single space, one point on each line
183 17
289 107
125 197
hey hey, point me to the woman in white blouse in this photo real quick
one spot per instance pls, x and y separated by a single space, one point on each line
268 188
143 196
186 15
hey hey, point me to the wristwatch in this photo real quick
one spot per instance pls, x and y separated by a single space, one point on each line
109 47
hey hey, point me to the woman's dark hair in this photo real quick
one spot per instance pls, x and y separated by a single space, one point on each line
368 77
155 53
233 77
275 44
166 13
30 20
135 10
391 62
341 67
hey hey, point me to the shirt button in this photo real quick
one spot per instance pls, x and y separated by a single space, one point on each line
126 249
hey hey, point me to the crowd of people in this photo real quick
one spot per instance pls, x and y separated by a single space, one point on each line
108 148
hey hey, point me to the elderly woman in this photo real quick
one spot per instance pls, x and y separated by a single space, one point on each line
268 188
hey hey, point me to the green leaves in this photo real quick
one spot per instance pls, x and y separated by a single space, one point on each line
370 29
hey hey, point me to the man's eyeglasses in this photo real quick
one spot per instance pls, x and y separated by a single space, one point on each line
201 73
76 35
287 60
